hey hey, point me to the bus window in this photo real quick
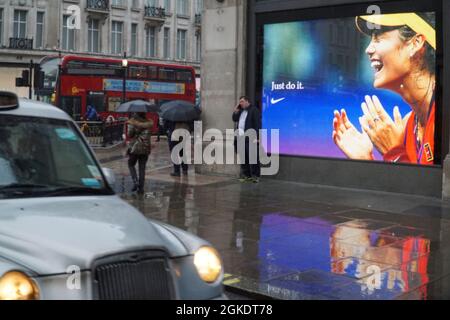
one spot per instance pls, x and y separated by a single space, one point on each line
184 76
92 69
95 65
74 65
97 100
72 106
135 72
50 69
152 73
167 74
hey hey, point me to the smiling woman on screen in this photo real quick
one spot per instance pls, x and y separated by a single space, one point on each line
402 54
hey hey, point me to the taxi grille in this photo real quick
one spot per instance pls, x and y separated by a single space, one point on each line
138 276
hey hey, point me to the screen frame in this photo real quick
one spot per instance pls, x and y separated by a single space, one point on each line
352 10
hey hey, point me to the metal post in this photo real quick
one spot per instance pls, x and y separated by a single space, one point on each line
124 91
59 82
30 81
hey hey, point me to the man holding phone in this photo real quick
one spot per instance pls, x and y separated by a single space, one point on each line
248 117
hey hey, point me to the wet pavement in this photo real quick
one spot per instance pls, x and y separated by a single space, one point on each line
296 241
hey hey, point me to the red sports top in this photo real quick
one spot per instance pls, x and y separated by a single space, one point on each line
408 153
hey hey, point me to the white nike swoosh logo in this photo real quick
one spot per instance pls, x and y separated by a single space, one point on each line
273 101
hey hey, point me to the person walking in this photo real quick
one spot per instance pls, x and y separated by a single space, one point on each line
170 127
248 117
139 148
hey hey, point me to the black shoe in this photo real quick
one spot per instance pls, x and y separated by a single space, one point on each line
175 174
140 191
135 187
254 179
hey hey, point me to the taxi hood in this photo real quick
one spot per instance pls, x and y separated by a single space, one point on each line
48 235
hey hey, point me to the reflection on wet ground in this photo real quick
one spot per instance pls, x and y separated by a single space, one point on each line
295 241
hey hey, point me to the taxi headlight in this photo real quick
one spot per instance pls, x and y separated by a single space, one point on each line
16 285
208 264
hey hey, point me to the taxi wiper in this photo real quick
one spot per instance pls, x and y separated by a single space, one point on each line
23 186
76 190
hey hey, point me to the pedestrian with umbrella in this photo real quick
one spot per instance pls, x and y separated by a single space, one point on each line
139 134
137 106
178 115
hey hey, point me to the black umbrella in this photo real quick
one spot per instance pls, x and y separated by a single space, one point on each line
138 106
180 111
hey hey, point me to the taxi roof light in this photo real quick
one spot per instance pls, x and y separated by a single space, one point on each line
8 101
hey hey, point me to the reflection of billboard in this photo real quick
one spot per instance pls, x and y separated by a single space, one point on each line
359 88
349 249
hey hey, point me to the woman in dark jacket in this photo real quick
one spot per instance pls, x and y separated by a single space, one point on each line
139 148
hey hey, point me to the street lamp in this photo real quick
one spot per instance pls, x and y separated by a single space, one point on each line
125 67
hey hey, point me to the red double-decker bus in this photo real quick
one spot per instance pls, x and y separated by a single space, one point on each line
74 82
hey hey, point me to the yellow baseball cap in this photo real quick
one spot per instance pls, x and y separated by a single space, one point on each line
412 20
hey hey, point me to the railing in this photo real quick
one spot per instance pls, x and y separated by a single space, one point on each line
155 12
102 5
21 43
198 19
102 133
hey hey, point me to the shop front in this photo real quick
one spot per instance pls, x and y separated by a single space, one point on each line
358 91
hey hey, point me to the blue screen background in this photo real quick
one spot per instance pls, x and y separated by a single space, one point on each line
328 58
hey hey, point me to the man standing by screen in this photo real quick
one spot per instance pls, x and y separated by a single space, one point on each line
247 118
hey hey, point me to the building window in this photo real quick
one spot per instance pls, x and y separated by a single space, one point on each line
167 5
93 35
151 3
198 6
166 43
68 36
135 4
181 44
134 39
116 37
117 3
151 41
1 27
182 7
198 46
20 24
40 30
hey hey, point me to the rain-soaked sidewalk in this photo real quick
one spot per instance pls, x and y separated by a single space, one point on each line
296 241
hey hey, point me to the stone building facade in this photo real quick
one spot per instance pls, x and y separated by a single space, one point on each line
166 31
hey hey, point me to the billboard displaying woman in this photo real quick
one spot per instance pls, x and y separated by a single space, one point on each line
361 88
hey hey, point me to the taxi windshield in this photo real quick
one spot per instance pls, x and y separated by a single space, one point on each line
45 157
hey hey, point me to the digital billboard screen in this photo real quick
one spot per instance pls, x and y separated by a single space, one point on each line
360 88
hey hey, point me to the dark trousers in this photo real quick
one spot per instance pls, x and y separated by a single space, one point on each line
177 167
132 161
248 169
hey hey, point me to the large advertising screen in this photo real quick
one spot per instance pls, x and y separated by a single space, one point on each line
360 88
